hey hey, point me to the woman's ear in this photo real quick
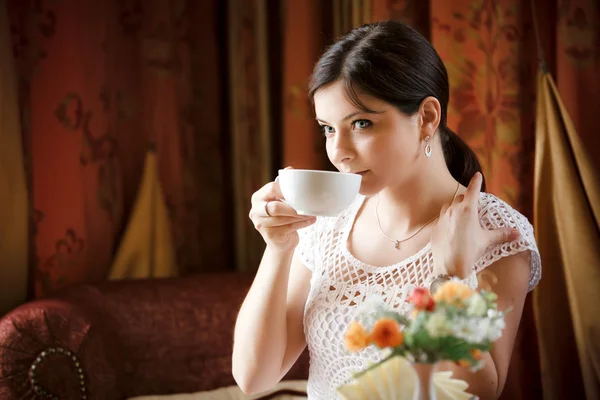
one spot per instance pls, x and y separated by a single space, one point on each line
430 113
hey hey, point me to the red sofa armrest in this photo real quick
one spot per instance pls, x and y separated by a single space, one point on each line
54 348
156 336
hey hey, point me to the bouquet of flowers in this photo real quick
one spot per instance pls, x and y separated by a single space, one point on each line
456 324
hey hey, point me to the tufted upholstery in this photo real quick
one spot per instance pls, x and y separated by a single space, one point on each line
127 338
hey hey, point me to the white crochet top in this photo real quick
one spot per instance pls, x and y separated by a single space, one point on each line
340 283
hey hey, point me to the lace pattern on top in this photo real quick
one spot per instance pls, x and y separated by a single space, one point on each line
340 284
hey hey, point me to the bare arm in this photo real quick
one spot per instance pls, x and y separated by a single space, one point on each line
269 334
512 275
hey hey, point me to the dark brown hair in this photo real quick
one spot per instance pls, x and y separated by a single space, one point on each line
394 63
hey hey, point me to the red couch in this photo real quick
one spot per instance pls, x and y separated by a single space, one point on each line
114 340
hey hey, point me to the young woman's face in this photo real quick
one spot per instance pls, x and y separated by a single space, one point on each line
384 147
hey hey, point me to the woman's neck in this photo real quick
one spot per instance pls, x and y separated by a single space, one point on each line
416 201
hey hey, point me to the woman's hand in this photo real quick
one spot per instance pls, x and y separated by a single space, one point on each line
275 220
458 240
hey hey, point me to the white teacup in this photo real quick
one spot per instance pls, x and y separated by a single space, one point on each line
319 193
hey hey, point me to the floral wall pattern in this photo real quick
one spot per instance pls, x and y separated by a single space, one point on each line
487 47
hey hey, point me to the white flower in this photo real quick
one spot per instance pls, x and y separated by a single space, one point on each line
437 325
473 330
476 305
477 330
495 328
370 310
373 303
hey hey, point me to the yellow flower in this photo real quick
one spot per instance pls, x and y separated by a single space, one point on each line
356 337
386 333
453 292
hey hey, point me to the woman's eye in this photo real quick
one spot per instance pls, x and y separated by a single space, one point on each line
362 124
327 130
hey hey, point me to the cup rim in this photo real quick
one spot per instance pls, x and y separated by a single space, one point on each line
321 172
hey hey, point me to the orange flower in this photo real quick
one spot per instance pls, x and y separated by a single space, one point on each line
422 300
453 292
356 337
463 363
476 353
386 333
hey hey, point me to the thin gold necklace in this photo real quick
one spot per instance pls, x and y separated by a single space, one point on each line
397 241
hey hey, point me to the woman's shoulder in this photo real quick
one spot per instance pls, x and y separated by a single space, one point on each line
496 213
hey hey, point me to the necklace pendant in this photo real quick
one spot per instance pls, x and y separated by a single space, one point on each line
397 244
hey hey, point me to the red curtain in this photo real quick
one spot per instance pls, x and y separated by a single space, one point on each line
100 83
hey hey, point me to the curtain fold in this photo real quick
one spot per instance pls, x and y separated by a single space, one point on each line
14 203
251 130
348 14
567 224
146 249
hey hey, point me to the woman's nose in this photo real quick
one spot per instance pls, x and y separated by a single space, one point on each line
343 149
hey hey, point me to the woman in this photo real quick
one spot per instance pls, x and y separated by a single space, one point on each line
381 97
